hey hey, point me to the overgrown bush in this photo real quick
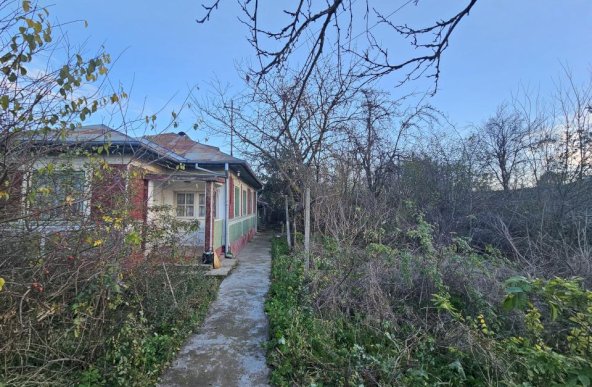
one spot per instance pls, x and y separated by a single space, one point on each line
83 305
419 313
113 327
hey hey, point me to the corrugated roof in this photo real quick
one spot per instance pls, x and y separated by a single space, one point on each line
84 134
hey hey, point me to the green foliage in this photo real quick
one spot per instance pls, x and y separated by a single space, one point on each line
517 332
153 326
301 343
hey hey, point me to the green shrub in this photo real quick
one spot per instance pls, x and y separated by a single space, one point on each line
420 314
153 326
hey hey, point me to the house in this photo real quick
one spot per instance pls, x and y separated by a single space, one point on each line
194 181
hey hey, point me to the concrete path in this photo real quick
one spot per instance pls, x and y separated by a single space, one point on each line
229 350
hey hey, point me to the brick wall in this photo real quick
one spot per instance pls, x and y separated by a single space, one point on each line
138 191
11 205
108 189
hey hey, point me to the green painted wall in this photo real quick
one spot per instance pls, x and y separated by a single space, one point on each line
218 233
241 227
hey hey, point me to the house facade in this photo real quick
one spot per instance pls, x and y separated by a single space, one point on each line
194 182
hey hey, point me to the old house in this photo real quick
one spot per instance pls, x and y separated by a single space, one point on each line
194 181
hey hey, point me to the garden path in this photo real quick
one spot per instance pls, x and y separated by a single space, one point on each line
229 349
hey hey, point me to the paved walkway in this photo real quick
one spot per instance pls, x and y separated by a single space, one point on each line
229 350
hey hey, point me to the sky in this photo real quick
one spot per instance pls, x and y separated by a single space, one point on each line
161 52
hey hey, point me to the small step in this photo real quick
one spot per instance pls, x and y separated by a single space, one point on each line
224 269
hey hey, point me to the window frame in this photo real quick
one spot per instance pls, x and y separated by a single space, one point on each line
237 201
53 200
185 205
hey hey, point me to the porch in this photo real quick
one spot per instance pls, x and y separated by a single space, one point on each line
206 200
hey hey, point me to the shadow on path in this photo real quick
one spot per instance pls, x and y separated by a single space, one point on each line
229 350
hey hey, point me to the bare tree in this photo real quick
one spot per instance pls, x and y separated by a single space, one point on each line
381 132
288 136
504 139
339 24
574 123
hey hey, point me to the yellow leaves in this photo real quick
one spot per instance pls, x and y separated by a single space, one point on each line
69 200
44 190
483 324
4 195
26 5
116 222
2 282
34 25
97 243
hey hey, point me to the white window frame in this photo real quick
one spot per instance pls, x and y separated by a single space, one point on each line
84 208
201 208
237 201
184 205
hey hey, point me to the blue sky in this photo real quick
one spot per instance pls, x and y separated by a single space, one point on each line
504 44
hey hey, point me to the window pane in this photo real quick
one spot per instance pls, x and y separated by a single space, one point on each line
180 198
202 199
189 198
59 194
180 211
202 211
236 201
189 211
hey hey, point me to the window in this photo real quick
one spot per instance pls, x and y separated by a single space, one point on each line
244 203
202 205
185 204
58 195
249 202
236 201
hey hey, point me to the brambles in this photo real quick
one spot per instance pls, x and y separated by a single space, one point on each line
424 314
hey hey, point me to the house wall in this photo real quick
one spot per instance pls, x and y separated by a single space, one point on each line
165 195
242 225
122 183
105 191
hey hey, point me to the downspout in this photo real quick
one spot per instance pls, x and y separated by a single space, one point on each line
227 252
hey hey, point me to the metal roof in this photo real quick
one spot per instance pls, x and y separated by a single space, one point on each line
175 147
